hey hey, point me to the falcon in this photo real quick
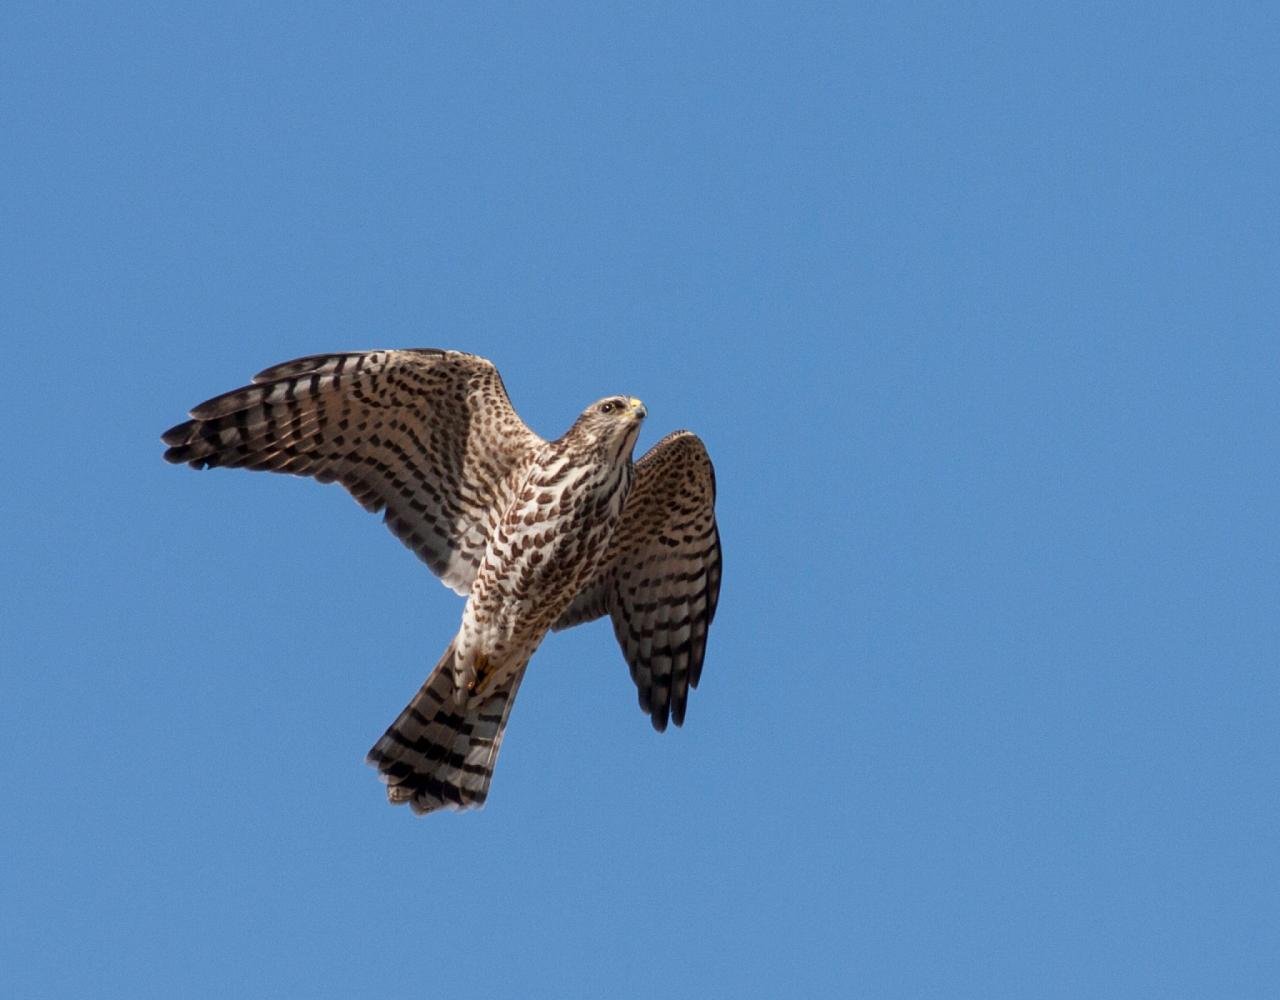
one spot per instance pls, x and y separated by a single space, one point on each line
539 535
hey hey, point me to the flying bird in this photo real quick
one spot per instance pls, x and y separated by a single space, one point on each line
539 535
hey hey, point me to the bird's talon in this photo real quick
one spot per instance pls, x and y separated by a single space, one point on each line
478 683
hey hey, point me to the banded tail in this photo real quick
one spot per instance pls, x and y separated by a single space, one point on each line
439 754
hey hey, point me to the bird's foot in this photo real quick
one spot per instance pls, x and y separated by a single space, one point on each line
483 675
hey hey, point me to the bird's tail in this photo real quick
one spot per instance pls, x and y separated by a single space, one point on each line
438 753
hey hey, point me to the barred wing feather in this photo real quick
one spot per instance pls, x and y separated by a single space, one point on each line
428 436
660 580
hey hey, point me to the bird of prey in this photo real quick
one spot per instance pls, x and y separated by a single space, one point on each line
539 535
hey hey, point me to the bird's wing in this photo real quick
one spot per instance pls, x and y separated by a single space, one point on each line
660 579
427 436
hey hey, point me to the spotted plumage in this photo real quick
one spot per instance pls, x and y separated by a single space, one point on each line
538 534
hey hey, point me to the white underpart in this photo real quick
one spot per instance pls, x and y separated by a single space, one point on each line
500 630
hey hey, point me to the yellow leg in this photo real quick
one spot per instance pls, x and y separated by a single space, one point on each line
482 677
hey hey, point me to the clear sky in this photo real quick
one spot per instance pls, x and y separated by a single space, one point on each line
975 306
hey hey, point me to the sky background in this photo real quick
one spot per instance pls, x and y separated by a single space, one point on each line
975 306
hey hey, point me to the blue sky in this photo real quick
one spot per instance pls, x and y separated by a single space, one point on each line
976 309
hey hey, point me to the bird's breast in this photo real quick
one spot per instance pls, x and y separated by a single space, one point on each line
549 540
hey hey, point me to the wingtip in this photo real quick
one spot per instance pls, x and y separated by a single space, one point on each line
178 433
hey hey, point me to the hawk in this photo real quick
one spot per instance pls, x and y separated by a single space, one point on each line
539 535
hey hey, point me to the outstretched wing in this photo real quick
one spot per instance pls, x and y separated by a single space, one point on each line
429 436
660 579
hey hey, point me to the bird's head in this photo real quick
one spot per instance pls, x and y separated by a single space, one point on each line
614 420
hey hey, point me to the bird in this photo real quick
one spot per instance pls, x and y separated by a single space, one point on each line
538 535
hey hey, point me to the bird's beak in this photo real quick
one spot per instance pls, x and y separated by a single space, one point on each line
637 408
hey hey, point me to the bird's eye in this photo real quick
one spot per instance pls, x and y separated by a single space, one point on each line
608 407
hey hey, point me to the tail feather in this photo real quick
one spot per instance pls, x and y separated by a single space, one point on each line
439 754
